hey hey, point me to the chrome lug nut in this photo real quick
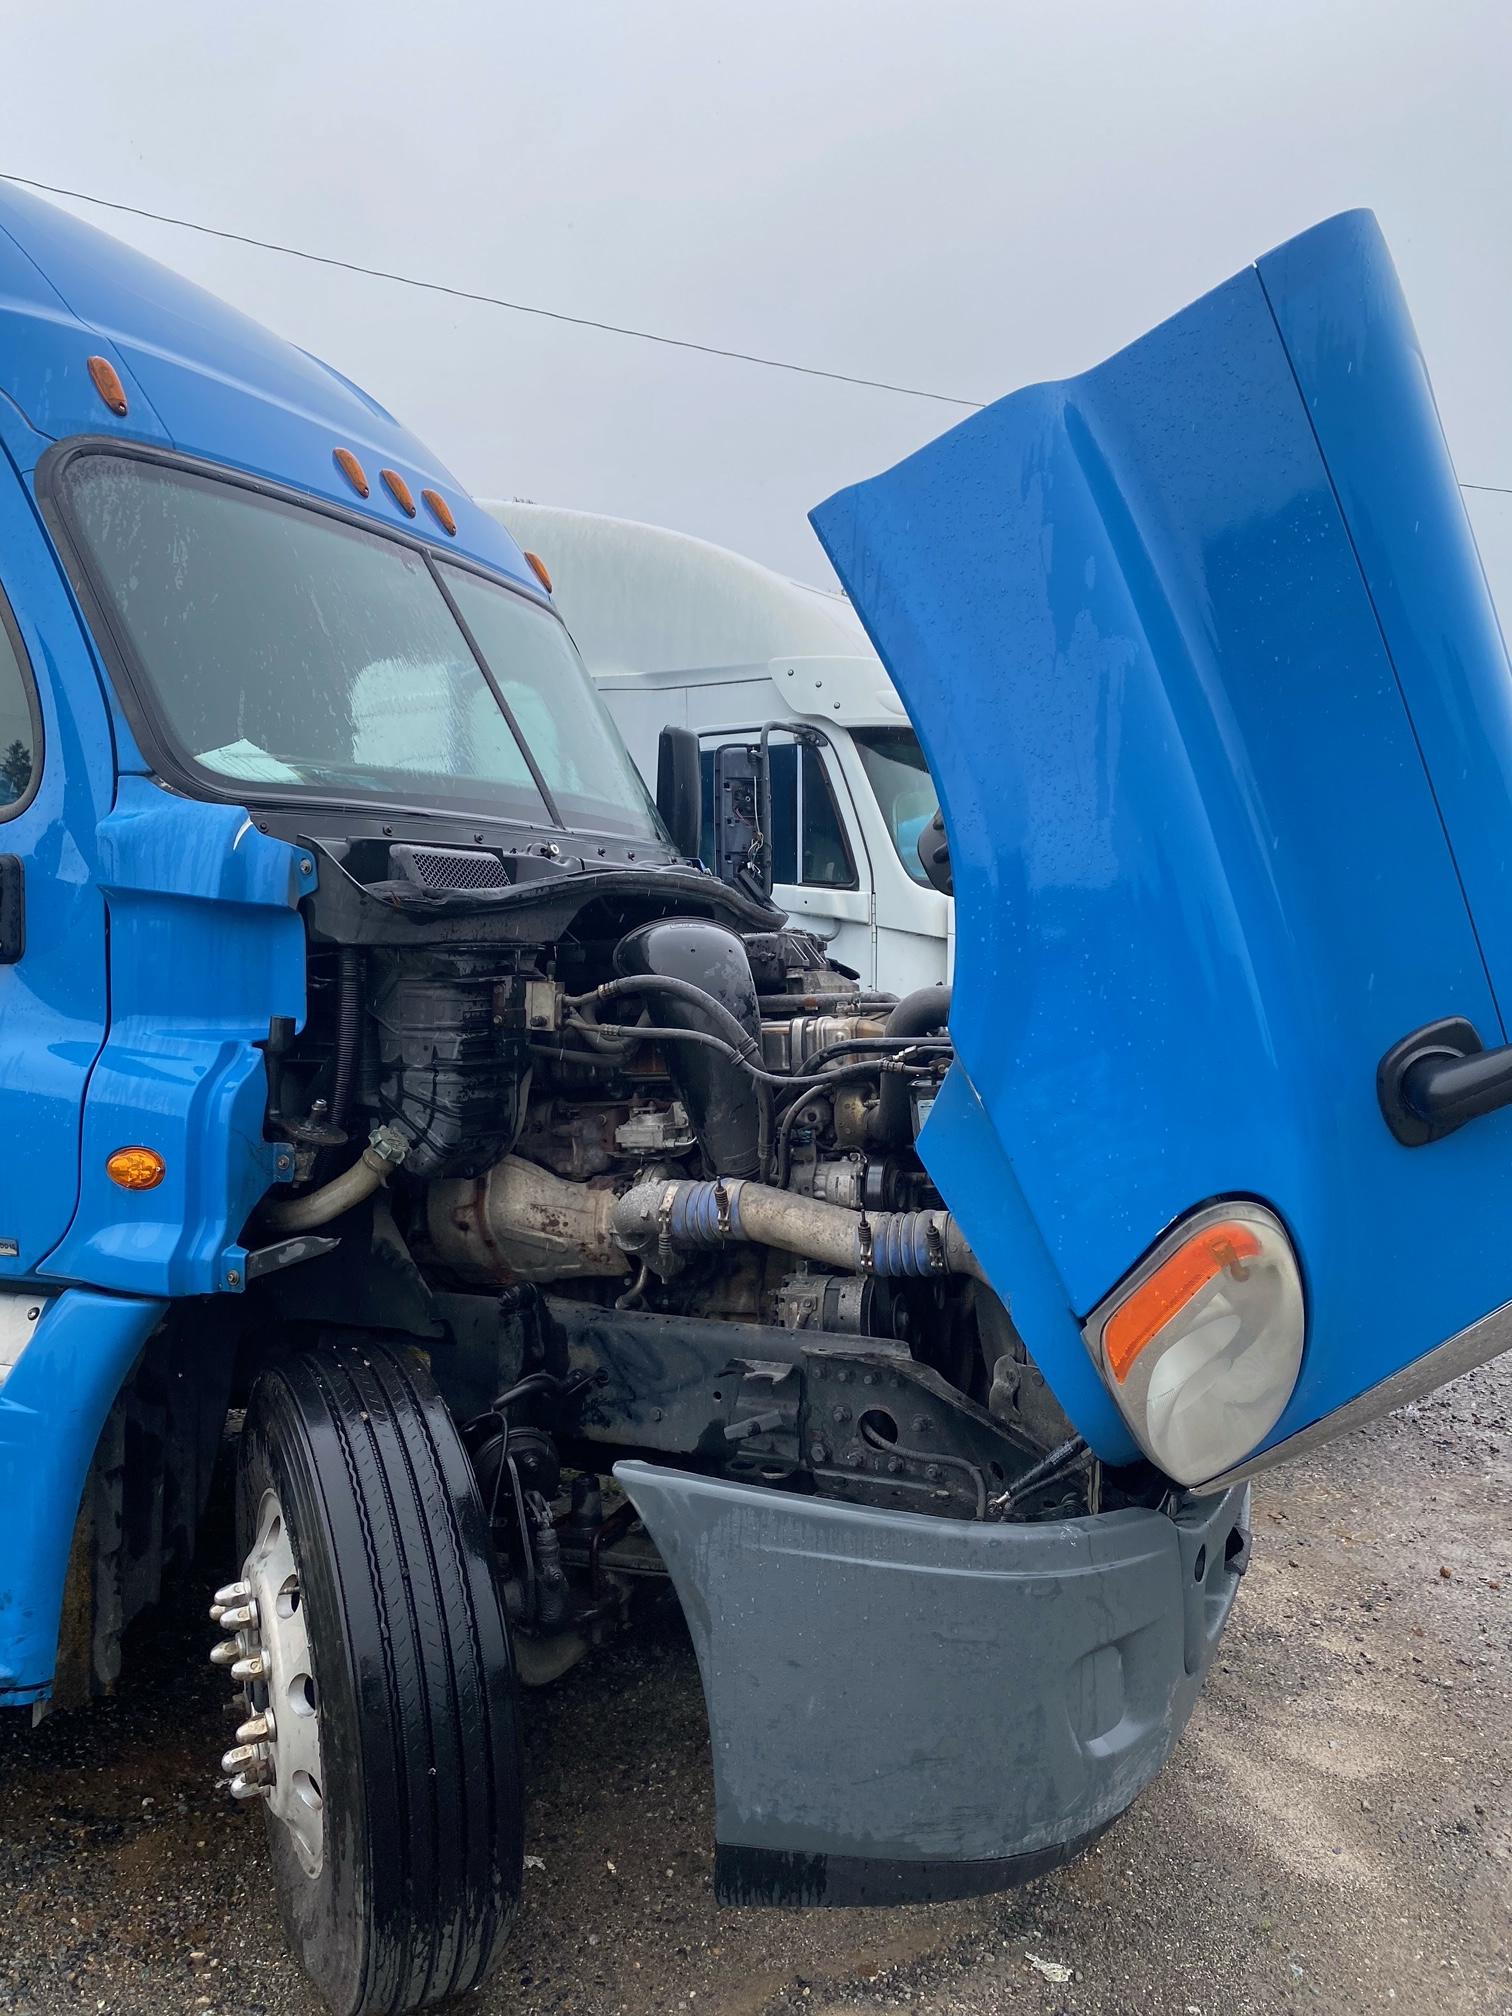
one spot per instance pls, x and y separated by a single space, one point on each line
233 1592
250 1668
241 1757
245 1786
257 1730
239 1617
226 1653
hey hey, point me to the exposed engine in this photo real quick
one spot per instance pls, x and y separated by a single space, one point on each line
640 1182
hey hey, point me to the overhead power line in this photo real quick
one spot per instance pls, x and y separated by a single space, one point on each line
496 300
533 308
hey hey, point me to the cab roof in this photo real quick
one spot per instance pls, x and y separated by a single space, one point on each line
201 379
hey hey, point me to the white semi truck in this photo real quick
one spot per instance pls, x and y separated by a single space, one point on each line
679 632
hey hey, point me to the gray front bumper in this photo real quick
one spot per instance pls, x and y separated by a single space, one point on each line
909 1707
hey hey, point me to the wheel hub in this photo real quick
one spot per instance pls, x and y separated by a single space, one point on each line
267 1647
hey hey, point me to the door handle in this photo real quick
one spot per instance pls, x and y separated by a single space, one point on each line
12 909
1440 1076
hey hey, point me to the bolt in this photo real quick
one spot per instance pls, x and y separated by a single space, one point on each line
854 1459
306 865
893 1466
32 1315
921 1424
842 1375
818 1453
932 1473
839 1415
233 1278
870 1379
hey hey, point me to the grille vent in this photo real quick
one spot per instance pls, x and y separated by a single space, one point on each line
449 868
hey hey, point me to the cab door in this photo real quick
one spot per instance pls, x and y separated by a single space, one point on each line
1201 656
56 779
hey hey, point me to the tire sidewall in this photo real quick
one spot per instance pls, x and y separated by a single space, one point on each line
326 1915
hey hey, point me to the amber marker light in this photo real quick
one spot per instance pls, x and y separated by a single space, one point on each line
538 568
107 382
352 469
136 1168
399 490
1188 1271
441 511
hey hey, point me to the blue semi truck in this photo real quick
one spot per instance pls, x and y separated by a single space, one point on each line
398 1113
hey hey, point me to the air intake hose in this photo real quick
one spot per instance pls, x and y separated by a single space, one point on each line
720 1098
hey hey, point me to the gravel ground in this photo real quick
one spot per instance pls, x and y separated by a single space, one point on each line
1334 1832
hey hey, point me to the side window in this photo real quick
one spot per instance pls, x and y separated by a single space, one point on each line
20 742
827 860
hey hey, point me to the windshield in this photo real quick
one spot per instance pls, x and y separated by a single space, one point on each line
899 777
289 649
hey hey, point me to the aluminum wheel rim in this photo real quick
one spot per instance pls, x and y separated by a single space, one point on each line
285 1695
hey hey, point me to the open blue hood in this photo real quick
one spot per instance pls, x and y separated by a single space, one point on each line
1200 652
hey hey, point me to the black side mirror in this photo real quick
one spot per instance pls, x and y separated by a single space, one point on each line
743 816
679 795
934 856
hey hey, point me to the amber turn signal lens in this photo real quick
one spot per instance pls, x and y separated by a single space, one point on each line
1188 1271
399 490
441 511
538 568
136 1168
352 469
107 382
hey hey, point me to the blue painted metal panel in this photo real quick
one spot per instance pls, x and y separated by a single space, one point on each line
1339 307
52 1408
1201 873
53 1000
200 375
44 372
206 947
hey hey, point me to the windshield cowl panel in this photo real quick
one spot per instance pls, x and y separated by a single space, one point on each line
282 653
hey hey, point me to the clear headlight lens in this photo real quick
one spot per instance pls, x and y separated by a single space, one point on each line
1201 1345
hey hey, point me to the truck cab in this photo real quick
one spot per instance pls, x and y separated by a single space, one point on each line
404 1124
678 631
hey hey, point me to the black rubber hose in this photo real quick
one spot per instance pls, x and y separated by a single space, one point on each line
918 1014
733 1031
348 1030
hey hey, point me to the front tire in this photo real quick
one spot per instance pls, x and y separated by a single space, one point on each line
396 1840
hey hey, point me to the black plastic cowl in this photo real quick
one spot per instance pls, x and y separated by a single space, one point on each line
719 1096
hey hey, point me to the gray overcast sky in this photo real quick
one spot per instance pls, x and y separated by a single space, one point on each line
967 196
